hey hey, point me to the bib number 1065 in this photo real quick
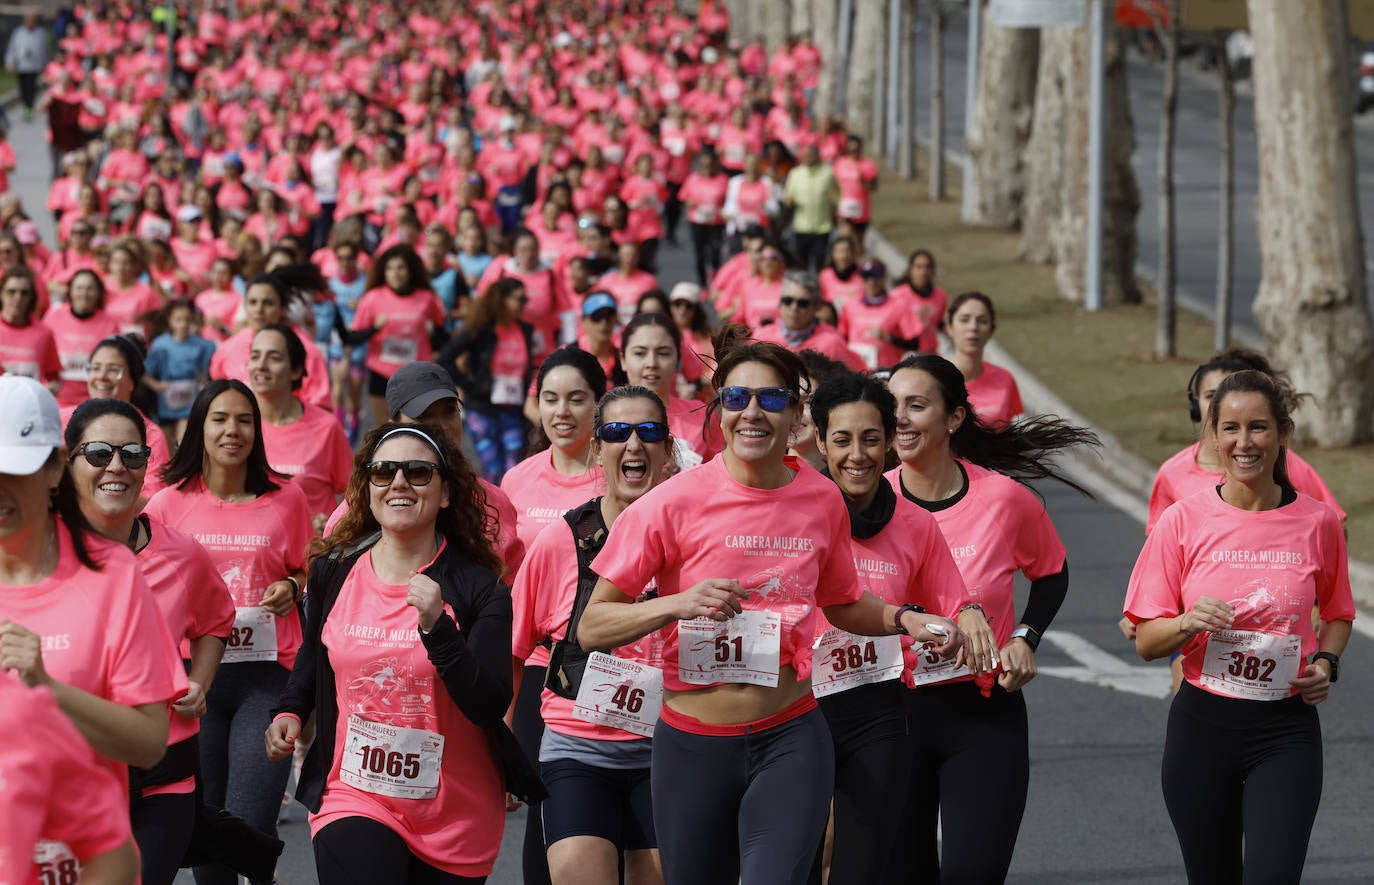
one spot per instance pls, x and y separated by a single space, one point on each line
393 764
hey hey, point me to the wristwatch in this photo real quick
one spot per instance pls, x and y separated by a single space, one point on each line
901 610
1332 659
1032 638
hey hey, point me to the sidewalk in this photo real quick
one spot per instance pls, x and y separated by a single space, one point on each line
1035 322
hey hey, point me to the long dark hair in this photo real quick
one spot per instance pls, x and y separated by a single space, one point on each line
580 361
1274 393
187 464
419 277
1019 450
463 523
851 387
67 505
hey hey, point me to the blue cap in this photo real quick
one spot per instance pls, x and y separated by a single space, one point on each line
597 301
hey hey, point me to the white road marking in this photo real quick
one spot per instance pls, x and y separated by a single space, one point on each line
1105 670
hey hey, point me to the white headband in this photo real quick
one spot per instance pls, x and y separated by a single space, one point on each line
418 432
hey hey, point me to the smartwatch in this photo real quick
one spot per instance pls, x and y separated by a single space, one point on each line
909 607
1032 638
1332 659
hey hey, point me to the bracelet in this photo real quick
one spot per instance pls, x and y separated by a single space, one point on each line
975 606
295 588
901 610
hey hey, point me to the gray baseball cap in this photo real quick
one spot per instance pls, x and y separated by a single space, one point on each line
415 387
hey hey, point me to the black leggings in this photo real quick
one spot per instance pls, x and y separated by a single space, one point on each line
747 807
969 774
706 243
528 725
672 212
359 851
1242 782
872 766
162 828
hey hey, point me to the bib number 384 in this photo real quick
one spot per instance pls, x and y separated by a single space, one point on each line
843 661
745 648
1250 665
391 760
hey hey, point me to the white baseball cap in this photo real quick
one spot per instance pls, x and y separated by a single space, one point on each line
30 425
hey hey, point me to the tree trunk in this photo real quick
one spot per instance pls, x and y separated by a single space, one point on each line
1312 303
937 100
1226 223
906 117
1002 123
825 21
801 21
775 21
1166 277
865 68
1054 227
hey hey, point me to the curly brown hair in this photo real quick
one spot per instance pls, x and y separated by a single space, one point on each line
465 524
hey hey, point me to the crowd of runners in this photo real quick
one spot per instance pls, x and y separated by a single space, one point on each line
355 448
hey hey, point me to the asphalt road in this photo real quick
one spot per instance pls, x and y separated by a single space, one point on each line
1197 165
1097 714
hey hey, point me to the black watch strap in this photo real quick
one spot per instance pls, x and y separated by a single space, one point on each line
1332 659
901 610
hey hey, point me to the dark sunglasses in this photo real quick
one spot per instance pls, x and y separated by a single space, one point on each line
803 303
771 399
602 316
417 473
619 431
100 454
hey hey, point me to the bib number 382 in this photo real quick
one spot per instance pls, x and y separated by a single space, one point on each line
1250 665
254 636
391 760
745 649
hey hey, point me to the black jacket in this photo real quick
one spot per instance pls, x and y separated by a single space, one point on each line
480 347
473 662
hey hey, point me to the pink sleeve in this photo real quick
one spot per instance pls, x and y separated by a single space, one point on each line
341 458
1156 586
1161 496
537 587
365 315
294 513
210 609
1017 407
638 549
838 582
1334 598
143 664
939 578
1037 550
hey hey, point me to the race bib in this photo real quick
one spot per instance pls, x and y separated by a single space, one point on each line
22 369
619 693
745 649
702 214
843 661
391 760
74 366
180 394
56 863
851 208
931 668
400 350
866 352
254 637
505 391
1249 665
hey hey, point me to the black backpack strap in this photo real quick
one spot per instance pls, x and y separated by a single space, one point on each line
567 659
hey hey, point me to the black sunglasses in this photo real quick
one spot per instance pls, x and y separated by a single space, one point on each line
803 303
606 314
417 473
771 399
100 454
619 431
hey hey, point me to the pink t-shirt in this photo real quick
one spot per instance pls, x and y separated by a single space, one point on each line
894 315
1272 566
627 290
909 561
687 421
315 453
789 547
542 597
193 601
253 544
383 675
30 351
510 361
405 337
839 291
101 631
994 395
704 198
853 174
42 759
126 306
1181 476
75 339
824 340
999 528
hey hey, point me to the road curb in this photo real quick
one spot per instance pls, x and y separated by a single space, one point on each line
1115 474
